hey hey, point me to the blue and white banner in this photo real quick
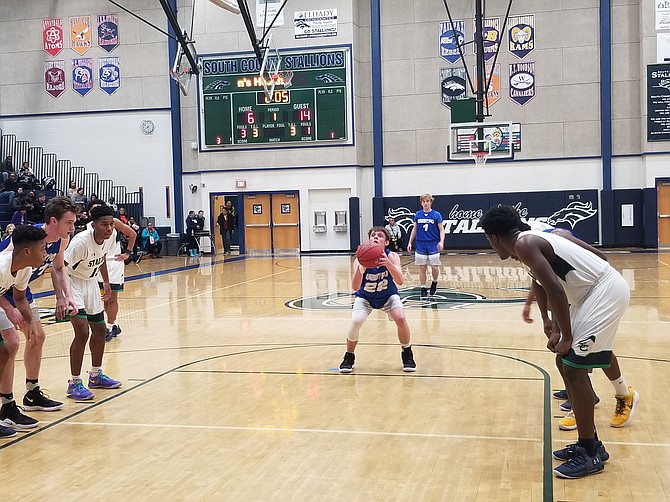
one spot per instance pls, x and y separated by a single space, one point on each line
110 74
521 35
521 82
491 38
82 75
451 37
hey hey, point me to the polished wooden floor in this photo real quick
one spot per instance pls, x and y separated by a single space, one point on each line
231 392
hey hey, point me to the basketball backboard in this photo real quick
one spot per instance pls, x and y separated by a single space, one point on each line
480 141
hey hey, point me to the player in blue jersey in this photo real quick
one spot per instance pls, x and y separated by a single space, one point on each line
60 214
429 234
377 288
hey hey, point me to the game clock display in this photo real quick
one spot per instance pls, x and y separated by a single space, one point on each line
313 107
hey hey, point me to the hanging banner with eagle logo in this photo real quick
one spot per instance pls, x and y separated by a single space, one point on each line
108 31
110 74
521 82
54 77
82 75
80 34
452 38
452 85
52 36
521 35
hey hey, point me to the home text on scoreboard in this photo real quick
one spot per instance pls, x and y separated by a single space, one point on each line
311 103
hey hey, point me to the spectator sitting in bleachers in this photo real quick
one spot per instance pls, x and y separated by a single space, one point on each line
151 241
80 199
122 215
37 213
7 167
19 201
72 189
9 229
20 217
112 203
10 184
26 178
82 220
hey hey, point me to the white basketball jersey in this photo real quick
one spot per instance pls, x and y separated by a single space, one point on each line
577 268
84 256
7 280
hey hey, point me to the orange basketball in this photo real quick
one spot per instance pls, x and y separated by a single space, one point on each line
368 253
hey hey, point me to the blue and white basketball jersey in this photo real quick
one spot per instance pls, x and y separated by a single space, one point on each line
52 250
377 286
426 225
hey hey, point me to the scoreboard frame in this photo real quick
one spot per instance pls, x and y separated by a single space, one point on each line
315 110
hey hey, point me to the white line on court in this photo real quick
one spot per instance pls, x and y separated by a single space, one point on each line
319 431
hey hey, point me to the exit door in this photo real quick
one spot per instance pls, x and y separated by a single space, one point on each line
272 223
663 204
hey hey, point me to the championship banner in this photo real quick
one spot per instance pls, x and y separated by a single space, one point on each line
452 85
54 77
110 74
108 31
82 75
521 82
521 35
493 91
80 34
491 37
52 36
451 37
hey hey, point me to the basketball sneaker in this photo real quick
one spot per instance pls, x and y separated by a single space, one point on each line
580 465
12 417
424 293
6 432
116 330
347 365
77 391
433 288
570 451
561 394
567 406
625 409
568 422
36 400
102 381
109 335
408 364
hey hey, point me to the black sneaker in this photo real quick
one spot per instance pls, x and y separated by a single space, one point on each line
561 394
11 415
36 400
570 451
140 255
116 330
408 364
424 293
433 288
109 335
580 465
347 365
6 432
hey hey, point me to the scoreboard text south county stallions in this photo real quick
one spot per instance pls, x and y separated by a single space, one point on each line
315 108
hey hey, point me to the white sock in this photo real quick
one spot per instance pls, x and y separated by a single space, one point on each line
406 346
95 370
109 325
620 386
74 378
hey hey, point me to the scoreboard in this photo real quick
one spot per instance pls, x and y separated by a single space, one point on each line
310 105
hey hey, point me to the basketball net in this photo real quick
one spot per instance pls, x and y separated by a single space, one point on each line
286 78
479 157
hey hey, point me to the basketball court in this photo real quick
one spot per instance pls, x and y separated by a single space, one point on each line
231 391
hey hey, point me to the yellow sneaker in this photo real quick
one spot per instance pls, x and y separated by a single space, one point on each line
625 408
568 422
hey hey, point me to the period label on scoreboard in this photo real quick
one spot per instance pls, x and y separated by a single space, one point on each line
311 103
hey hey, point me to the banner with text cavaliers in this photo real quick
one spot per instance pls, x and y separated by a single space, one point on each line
52 36
108 31
80 34
110 74
54 77
521 82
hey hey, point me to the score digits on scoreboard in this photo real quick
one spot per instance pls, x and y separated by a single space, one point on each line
314 108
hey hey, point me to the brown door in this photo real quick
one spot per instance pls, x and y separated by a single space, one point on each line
257 229
285 227
663 202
